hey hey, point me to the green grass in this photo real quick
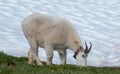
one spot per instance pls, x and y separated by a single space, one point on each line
15 65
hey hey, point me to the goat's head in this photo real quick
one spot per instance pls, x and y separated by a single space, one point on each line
81 55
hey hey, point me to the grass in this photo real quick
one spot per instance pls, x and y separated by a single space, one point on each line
15 65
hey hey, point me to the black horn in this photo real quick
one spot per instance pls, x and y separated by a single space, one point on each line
90 47
87 50
86 47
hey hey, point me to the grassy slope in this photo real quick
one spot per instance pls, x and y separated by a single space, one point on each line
14 65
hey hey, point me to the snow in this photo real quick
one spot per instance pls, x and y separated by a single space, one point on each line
95 20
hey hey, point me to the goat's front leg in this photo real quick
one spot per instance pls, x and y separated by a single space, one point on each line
49 52
49 57
62 54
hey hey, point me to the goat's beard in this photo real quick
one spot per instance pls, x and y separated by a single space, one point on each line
80 61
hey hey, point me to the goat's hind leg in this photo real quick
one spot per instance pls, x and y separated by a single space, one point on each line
33 52
30 57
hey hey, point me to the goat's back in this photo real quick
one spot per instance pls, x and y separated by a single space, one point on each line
41 28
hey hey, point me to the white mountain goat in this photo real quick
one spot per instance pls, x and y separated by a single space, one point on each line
53 33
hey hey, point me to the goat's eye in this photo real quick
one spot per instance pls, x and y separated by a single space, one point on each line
83 55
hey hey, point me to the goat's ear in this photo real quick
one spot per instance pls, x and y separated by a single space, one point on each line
76 42
76 53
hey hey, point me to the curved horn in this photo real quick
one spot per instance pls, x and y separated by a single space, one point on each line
90 47
86 49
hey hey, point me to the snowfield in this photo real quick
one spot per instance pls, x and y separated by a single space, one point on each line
97 21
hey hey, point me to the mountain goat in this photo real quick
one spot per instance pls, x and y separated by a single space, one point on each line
53 33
